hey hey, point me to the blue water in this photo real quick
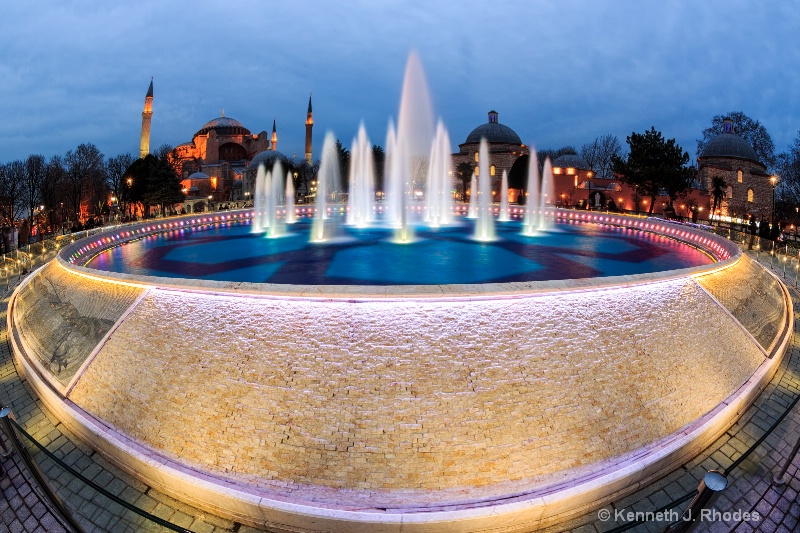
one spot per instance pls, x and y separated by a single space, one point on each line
229 252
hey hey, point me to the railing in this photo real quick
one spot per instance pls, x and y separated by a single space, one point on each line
77 501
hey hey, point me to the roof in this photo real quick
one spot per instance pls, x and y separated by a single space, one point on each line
198 176
729 145
224 126
267 157
493 132
571 161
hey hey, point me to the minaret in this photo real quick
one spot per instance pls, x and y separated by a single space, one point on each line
274 136
147 114
309 125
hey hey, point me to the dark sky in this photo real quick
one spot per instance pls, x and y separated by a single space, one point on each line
559 73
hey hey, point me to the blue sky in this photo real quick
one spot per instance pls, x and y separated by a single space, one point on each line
559 73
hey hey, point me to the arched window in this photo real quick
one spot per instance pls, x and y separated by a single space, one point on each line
750 195
476 157
739 175
492 170
477 171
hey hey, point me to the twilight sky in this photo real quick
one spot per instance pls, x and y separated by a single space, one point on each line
558 72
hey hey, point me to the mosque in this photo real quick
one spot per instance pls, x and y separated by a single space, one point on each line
214 165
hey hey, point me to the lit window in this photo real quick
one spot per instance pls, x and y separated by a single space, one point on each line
492 170
570 171
477 170
750 195
729 192
476 157
739 175
556 170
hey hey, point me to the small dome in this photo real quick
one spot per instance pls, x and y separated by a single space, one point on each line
729 145
224 126
493 132
571 161
267 157
198 176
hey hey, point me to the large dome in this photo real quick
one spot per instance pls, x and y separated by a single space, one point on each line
224 126
729 145
493 132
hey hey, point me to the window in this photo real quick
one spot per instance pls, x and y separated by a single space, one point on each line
492 170
739 175
750 195
477 171
476 157
729 192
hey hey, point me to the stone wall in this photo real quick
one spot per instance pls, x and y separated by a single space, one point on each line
416 402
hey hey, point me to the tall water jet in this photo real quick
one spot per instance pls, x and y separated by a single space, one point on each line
531 221
276 194
415 129
545 195
473 197
484 227
327 178
439 200
259 200
291 217
361 191
504 215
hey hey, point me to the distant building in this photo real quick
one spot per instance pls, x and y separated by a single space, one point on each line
747 183
505 147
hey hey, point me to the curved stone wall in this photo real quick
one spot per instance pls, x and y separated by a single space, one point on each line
524 404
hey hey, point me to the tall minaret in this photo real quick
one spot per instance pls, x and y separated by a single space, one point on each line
274 136
147 114
309 125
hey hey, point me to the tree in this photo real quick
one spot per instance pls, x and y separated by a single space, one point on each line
153 181
542 155
116 167
654 165
598 155
11 180
35 169
53 187
84 169
379 160
343 155
748 129
718 186
464 171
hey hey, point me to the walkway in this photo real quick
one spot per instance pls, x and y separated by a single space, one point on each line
751 502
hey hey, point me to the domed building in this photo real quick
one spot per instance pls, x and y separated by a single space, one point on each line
504 144
747 184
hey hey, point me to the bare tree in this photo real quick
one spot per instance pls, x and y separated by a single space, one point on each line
52 192
11 180
116 167
419 172
31 190
84 165
599 155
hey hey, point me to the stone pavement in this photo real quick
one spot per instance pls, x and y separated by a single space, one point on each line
769 508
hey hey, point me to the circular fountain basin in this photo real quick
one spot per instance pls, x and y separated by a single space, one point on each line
392 405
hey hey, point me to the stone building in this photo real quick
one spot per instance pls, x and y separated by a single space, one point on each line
747 184
504 144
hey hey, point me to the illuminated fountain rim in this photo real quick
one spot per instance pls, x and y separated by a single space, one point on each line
723 252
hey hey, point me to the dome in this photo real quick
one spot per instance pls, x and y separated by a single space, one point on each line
198 176
571 161
267 157
224 126
493 132
729 145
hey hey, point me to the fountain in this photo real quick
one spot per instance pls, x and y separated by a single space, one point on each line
274 183
504 214
291 217
473 197
532 204
484 228
327 179
361 193
351 384
545 194
439 198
